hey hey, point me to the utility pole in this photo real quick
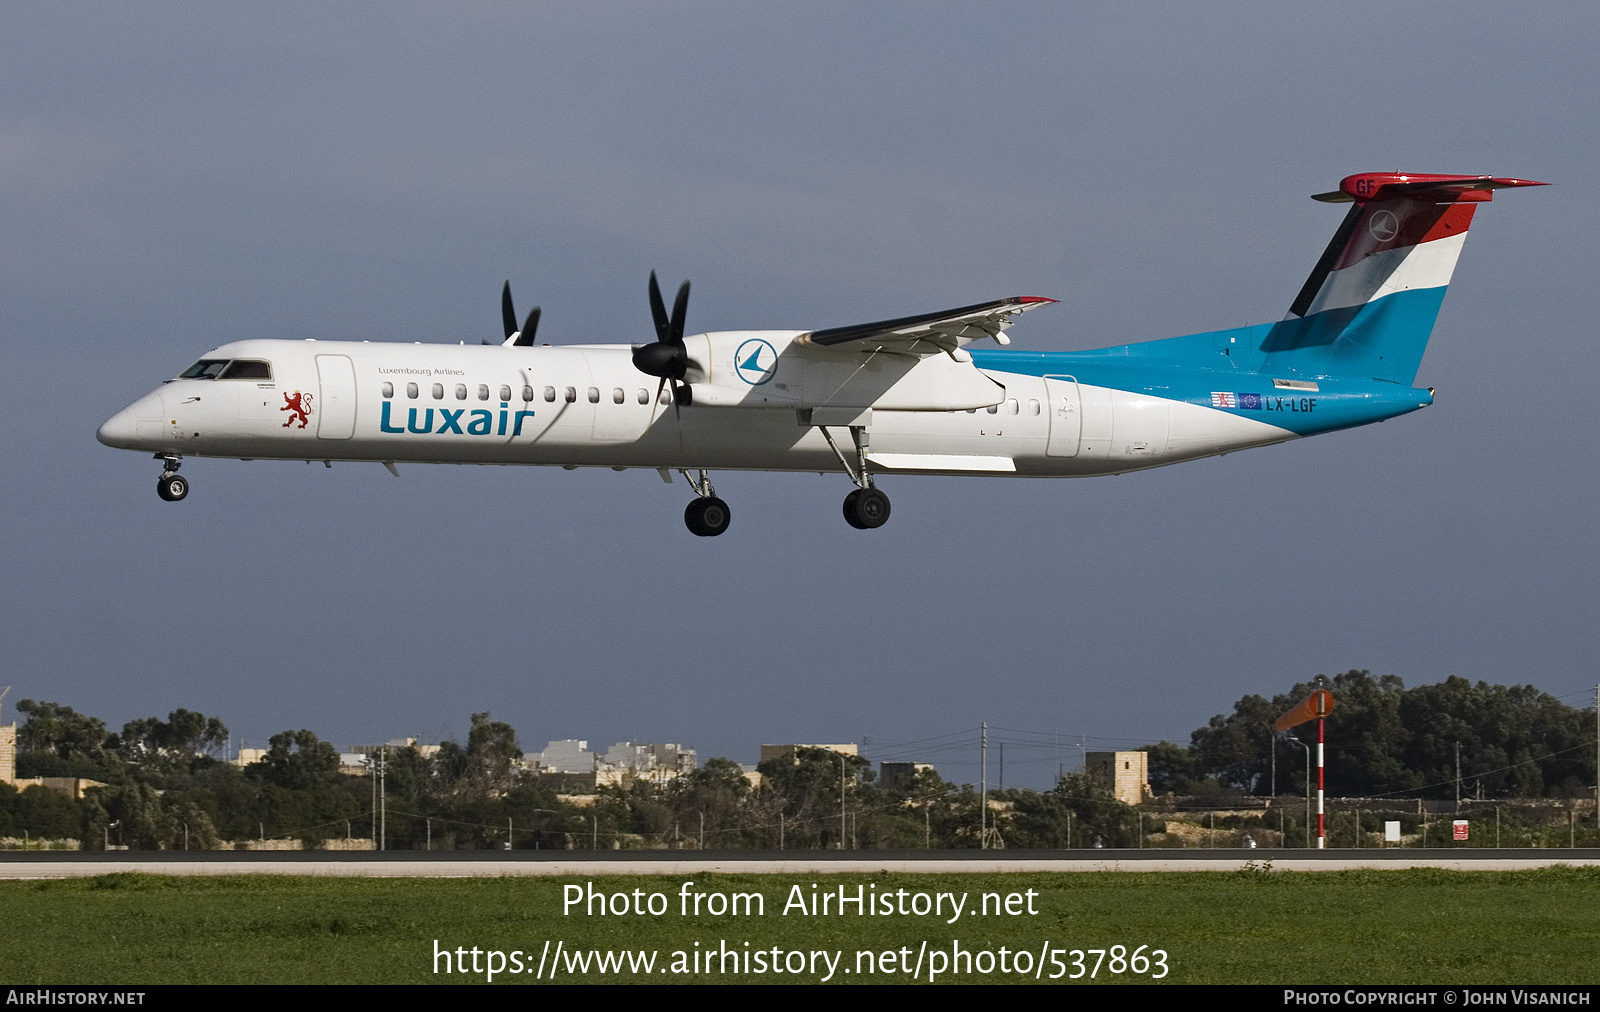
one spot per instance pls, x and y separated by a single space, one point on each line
1458 778
983 787
383 799
841 801
1307 748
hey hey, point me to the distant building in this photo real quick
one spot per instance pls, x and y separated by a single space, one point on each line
394 744
571 762
783 751
657 763
1127 772
247 756
72 787
892 774
569 755
8 753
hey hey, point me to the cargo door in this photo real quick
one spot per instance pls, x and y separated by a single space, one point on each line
336 414
1066 416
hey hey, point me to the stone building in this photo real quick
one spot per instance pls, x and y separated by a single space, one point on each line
1127 772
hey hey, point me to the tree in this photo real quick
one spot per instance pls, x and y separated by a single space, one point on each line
718 791
297 760
178 739
1383 738
492 754
62 730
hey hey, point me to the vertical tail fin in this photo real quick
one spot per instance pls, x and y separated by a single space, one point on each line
1369 305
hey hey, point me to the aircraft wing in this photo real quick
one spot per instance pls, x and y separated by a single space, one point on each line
932 333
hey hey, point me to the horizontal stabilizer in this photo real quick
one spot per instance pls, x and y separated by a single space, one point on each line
1384 185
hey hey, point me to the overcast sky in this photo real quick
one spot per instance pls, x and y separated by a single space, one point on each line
174 177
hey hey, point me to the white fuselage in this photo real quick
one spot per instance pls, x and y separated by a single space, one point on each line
588 406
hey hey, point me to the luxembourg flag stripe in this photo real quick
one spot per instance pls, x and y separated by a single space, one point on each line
1224 400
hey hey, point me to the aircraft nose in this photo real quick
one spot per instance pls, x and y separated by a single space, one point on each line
120 430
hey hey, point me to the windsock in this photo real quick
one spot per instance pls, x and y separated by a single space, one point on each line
1318 704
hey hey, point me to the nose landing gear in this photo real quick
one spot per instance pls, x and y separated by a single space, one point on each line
171 486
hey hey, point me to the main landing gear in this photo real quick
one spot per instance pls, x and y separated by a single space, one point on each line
706 516
171 486
866 508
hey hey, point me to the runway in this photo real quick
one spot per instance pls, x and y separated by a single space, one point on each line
579 864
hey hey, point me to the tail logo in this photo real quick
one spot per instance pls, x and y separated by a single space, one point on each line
299 407
1384 226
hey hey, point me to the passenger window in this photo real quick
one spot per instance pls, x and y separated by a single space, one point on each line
1011 406
438 391
388 390
483 391
617 396
666 396
411 391
527 394
594 395
993 409
644 396
571 395
550 394
461 391
505 393
1033 407
243 370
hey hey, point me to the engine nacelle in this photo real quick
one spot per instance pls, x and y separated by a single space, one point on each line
768 369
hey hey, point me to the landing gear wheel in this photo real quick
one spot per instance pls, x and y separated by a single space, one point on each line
866 508
172 487
850 509
706 517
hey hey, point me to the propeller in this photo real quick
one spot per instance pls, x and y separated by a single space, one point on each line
517 338
667 358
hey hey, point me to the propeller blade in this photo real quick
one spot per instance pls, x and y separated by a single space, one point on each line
658 311
529 328
680 308
508 315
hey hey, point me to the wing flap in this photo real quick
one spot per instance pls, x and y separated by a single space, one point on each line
938 332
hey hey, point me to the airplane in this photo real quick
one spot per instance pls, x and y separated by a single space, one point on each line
902 396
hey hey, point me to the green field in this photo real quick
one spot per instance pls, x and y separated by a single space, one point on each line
1405 926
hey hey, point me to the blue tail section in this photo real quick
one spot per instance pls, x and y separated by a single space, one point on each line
1369 306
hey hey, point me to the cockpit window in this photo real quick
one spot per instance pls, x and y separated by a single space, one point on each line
206 368
244 369
221 368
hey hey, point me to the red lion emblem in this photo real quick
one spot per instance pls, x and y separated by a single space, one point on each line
299 406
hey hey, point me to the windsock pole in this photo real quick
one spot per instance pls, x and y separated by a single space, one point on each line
1315 706
1321 839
